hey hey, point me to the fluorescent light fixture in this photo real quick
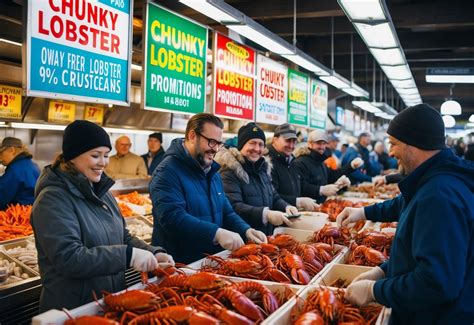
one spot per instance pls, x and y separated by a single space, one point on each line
310 64
468 79
336 80
127 131
449 121
260 38
136 67
407 83
397 72
451 107
407 91
356 91
363 9
10 42
38 126
366 106
471 118
378 36
216 10
386 108
388 56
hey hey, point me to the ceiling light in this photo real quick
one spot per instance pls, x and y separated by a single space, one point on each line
450 75
450 79
10 42
407 91
471 118
377 36
363 9
136 67
126 131
219 11
38 126
449 121
366 106
397 72
336 80
259 36
388 56
407 83
451 107
303 60
355 92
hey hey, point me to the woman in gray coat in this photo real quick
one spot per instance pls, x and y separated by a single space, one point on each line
83 245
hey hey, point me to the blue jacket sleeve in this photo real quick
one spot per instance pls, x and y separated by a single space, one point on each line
232 221
387 211
8 189
440 248
356 176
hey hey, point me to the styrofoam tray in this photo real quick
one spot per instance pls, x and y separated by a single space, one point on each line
343 271
310 221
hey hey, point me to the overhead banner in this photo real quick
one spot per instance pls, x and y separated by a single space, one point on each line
94 114
60 112
234 79
79 50
272 90
175 62
318 104
10 102
297 98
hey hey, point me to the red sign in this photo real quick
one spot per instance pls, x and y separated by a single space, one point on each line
234 79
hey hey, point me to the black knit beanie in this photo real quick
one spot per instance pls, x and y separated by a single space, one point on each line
81 136
420 126
156 135
248 132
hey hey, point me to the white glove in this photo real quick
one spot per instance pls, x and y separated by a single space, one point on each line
360 293
350 215
343 181
379 180
256 236
356 163
375 274
277 218
164 260
306 203
228 240
143 260
291 210
328 190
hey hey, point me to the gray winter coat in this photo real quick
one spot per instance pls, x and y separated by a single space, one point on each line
83 245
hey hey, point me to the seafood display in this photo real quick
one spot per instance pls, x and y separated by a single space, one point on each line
26 254
335 206
15 222
384 192
11 272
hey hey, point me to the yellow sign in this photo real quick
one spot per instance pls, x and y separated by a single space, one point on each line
61 112
10 102
94 114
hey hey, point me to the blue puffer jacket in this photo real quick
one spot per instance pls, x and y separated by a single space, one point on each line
18 183
364 173
189 206
430 274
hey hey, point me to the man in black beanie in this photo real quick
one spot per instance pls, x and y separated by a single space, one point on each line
155 152
429 277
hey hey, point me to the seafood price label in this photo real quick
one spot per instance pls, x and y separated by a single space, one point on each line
79 50
298 84
10 102
61 112
318 104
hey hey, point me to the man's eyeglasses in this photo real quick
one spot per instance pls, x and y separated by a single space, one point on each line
212 143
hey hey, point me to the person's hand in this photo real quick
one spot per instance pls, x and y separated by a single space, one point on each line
306 203
360 293
164 260
379 180
350 215
256 236
228 240
328 190
375 274
277 218
143 260
343 181
356 163
291 210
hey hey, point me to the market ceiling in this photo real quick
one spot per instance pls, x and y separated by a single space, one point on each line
432 34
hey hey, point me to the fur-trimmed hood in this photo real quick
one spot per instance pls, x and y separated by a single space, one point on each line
232 159
302 151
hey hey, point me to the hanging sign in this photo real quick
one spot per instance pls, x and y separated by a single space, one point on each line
175 62
272 89
339 115
79 50
349 120
234 78
318 104
10 102
297 98
61 112
94 114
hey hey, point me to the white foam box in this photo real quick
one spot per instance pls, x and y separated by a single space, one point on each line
310 221
340 271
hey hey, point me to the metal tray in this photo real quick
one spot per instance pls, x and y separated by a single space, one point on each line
34 279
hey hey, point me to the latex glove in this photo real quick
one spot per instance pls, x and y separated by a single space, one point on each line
291 210
361 292
256 236
350 215
328 190
228 240
277 218
306 203
143 260
375 274
343 181
164 260
379 180
356 163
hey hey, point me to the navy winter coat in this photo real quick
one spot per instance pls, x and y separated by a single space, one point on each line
430 274
189 206
17 185
155 161
364 173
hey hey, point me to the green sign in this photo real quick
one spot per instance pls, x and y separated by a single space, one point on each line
318 104
175 62
297 98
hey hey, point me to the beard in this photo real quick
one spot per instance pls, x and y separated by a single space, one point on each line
200 157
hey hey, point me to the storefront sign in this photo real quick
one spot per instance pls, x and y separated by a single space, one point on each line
79 50
61 112
175 62
297 98
272 90
318 104
10 102
94 114
234 79
349 120
339 115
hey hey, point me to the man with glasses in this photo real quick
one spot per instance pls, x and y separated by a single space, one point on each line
125 164
192 216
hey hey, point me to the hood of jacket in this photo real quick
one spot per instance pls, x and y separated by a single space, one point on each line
305 151
233 159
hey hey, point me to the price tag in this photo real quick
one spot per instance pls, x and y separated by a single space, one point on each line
61 112
10 102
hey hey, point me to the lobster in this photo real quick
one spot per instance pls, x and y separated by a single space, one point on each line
332 235
241 303
249 249
363 255
172 315
138 301
200 282
310 318
270 302
293 264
